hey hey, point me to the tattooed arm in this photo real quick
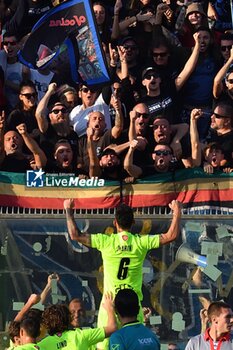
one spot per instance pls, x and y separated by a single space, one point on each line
73 230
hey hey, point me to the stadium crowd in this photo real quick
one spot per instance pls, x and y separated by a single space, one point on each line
168 105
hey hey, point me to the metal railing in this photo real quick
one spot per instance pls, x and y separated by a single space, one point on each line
205 211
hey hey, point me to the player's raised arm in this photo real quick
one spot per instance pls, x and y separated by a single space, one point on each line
174 229
73 230
108 305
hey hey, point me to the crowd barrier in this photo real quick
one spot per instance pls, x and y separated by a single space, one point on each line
194 188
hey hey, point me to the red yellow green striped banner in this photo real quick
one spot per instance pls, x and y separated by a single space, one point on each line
190 186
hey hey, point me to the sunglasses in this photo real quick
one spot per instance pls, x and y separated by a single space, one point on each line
130 47
224 48
29 96
143 115
161 126
219 115
85 90
12 43
161 54
151 75
162 153
56 111
230 81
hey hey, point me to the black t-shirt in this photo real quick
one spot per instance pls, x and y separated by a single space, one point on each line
53 167
25 15
225 141
37 10
136 72
186 146
100 145
186 152
127 101
127 94
141 158
13 164
165 104
176 62
224 98
50 138
151 171
118 175
18 116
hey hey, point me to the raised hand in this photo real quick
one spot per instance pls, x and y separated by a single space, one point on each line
22 129
52 88
53 276
175 206
122 53
197 39
90 132
117 7
196 113
113 54
133 115
68 204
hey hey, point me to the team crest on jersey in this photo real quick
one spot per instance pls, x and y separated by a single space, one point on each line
125 238
115 346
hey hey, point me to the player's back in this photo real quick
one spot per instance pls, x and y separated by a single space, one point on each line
73 339
123 255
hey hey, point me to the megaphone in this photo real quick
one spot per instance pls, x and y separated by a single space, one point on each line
185 254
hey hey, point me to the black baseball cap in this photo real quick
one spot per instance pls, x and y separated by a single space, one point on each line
53 104
108 151
127 38
148 70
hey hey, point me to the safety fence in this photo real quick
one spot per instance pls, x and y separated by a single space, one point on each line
36 193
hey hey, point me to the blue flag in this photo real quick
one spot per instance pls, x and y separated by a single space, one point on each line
66 38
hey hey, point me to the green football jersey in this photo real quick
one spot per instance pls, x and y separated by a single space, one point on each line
123 255
73 339
30 346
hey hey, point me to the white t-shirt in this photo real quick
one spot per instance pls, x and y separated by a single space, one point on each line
13 73
41 82
79 116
